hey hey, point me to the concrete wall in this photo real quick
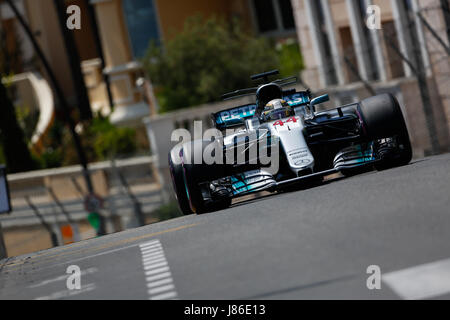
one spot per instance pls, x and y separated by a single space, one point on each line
23 231
23 240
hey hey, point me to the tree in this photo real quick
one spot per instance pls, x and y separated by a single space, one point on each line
18 157
14 147
208 58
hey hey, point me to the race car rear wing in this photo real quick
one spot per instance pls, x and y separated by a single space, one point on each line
235 117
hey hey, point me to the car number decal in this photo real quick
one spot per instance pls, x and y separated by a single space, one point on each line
281 123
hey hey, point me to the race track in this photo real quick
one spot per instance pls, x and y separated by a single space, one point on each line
316 243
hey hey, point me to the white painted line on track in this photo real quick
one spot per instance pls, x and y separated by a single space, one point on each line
159 282
165 296
68 293
97 255
150 265
420 282
154 260
157 271
151 250
151 245
153 256
158 276
61 278
165 288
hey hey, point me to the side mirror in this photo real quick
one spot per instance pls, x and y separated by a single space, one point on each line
319 100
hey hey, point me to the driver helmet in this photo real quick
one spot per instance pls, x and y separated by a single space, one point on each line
274 105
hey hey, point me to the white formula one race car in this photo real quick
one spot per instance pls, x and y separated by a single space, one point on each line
307 144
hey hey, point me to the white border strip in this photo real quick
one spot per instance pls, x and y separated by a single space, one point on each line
158 277
421 282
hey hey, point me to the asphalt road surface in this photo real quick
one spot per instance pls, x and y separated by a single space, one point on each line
311 244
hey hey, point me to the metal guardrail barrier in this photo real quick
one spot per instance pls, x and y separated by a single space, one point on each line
131 193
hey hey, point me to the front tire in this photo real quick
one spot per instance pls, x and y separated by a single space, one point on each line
383 119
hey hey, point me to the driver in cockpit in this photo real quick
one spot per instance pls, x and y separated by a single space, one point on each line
275 110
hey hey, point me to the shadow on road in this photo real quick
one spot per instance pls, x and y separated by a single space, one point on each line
299 288
292 189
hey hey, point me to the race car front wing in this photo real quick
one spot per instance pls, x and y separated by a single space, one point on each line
259 180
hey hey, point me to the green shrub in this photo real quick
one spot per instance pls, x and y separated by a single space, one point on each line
113 143
208 58
27 119
101 141
50 158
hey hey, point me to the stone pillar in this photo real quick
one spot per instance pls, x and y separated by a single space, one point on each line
376 40
358 38
439 61
331 31
401 25
421 37
112 32
129 103
317 45
404 34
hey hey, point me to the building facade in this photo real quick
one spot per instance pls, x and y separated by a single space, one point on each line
340 50
125 30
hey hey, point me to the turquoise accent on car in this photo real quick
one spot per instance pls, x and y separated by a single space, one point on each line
239 186
235 116
298 98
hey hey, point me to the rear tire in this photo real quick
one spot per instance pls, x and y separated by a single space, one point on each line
383 118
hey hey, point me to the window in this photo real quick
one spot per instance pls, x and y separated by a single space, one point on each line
274 16
141 19
286 14
266 15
